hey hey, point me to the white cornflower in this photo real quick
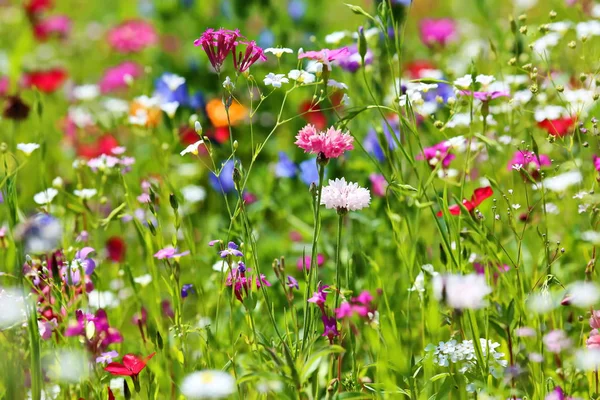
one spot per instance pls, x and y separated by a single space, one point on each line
461 291
86 92
275 80
464 82
173 81
278 52
345 196
228 84
170 108
28 148
192 148
208 384
45 197
301 76
85 194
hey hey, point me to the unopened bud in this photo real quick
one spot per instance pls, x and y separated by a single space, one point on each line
173 201
198 128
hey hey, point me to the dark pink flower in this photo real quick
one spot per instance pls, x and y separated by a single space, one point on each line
4 84
437 31
59 25
306 261
218 45
437 153
596 162
378 184
242 60
132 36
116 78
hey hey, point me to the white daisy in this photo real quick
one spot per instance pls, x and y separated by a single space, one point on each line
275 80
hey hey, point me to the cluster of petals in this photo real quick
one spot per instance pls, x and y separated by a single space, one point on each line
331 143
345 196
218 44
360 305
479 195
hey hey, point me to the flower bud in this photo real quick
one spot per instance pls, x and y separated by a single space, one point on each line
362 44
198 128
173 201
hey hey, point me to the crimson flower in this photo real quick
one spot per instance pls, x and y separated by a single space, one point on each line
131 366
46 81
115 247
103 145
479 195
557 127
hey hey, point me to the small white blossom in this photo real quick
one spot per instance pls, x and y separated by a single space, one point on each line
275 80
336 84
485 80
301 76
208 384
336 37
461 291
192 148
345 196
464 82
85 194
28 148
278 52
46 196
516 206
517 167
228 84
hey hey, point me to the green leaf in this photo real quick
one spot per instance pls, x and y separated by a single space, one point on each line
313 362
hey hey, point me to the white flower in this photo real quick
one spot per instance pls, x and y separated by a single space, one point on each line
275 80
542 302
336 37
505 139
587 359
524 4
103 163
46 196
140 118
517 167
192 148
173 81
28 148
68 366
336 84
57 182
208 384
461 291
545 42
562 182
560 26
85 193
485 80
301 76
345 196
193 193
81 117
346 99
591 236
228 84
279 51
552 208
98 299
147 102
116 106
583 294
516 206
588 28
582 208
13 308
86 92
170 108
314 67
464 82
143 280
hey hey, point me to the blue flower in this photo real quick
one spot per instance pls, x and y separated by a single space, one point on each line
296 9
186 290
170 87
285 168
223 182
372 145
309 172
196 101
266 38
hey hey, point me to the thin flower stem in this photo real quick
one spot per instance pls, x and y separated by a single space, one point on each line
338 261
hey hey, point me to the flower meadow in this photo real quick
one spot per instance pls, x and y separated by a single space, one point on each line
297 199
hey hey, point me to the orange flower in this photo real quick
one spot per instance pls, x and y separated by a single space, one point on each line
218 117
142 109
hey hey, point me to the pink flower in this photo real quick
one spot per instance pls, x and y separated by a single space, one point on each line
437 31
360 305
331 143
593 341
169 252
595 319
378 184
596 160
486 96
437 153
115 78
132 36
326 56
556 341
319 297
244 60
59 25
306 261
4 84
218 44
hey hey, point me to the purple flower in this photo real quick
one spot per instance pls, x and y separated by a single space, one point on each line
82 257
329 327
292 282
169 252
486 96
285 168
231 250
319 296
107 358
213 242
352 61
437 153
186 290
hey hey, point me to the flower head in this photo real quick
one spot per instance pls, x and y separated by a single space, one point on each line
461 291
437 31
208 384
132 36
231 250
28 148
325 56
107 358
119 77
130 366
345 196
331 143
218 45
46 81
169 252
479 195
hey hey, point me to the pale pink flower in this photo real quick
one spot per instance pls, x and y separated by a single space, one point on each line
132 36
326 56
378 184
556 341
331 143
116 78
593 341
437 31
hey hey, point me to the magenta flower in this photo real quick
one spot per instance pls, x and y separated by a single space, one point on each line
329 327
116 78
59 25
320 296
103 336
378 184
330 144
244 60
360 305
486 96
326 56
595 319
107 358
528 161
219 44
437 153
132 36
306 261
169 252
437 31
596 162
241 281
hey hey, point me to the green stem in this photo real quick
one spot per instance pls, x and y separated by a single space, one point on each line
338 261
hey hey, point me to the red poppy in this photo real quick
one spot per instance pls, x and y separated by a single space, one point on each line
557 127
103 145
415 68
115 247
479 195
37 6
46 81
132 365
313 115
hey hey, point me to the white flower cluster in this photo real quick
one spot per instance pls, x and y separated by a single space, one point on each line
346 196
463 355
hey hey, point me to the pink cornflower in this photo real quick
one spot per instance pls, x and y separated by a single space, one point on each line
116 78
331 143
132 36
378 184
593 341
169 252
437 31
326 56
218 44
437 153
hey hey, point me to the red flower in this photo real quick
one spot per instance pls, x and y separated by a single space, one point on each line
103 145
132 366
111 396
115 247
479 195
557 127
313 115
46 81
416 67
37 6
